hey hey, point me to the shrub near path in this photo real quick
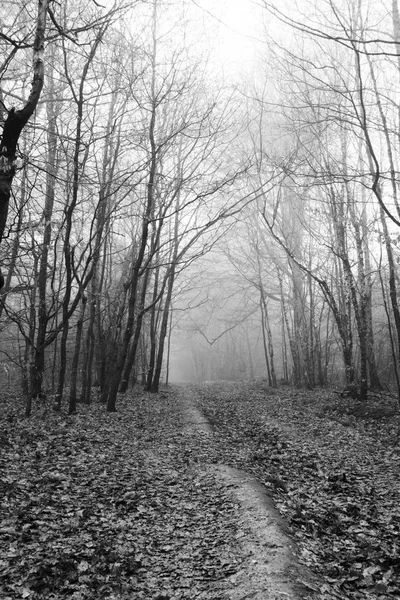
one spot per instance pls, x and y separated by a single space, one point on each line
334 467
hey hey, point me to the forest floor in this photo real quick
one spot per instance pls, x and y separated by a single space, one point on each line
176 496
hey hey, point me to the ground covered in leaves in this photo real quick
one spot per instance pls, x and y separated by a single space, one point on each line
122 506
334 465
111 506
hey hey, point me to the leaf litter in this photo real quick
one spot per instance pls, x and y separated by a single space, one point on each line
124 506
333 465
111 506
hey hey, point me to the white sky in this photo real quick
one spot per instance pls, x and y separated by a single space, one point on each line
239 23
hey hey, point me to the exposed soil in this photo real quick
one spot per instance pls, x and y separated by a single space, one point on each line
270 568
333 464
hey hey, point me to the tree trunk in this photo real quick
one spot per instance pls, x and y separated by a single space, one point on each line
155 384
267 338
15 246
146 219
168 349
153 334
264 337
75 361
130 361
17 119
110 154
42 317
78 167
285 365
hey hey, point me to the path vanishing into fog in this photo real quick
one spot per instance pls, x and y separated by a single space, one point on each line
270 568
136 504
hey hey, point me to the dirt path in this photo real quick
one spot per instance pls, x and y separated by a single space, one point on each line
270 569
149 503
140 504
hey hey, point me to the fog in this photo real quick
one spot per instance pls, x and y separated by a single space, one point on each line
201 190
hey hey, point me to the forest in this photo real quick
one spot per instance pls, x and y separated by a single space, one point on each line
199 299
170 212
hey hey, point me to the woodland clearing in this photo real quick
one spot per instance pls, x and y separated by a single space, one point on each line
146 502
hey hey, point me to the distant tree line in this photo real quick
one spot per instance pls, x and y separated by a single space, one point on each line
126 163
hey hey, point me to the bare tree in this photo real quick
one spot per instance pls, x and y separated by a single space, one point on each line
17 119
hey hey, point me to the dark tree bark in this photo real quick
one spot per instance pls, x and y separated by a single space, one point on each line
264 336
14 250
267 338
140 262
68 250
153 333
43 315
110 155
155 384
75 360
341 317
130 362
17 119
